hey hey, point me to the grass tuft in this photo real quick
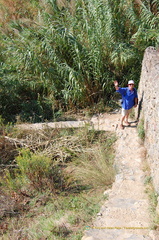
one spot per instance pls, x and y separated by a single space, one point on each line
95 168
141 130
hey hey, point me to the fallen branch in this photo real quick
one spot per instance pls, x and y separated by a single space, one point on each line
16 142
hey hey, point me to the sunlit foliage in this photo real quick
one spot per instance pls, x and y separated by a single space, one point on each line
65 54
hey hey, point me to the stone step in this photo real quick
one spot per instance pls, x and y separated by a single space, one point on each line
117 234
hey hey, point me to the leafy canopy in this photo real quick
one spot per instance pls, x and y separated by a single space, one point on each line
57 55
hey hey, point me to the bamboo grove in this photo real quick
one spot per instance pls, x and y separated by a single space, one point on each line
58 55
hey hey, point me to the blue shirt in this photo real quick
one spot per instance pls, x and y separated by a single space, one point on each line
128 97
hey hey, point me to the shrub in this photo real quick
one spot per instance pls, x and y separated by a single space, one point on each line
34 169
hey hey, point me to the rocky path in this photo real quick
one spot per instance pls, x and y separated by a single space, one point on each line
125 215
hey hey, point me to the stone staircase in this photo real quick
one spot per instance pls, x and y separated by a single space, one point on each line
125 215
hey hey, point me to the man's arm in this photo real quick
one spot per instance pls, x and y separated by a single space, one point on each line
136 102
116 85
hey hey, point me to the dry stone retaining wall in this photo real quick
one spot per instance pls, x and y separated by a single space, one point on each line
148 110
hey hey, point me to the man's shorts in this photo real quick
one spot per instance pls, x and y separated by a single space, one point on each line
125 112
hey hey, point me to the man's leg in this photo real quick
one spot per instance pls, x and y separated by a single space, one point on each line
125 115
122 120
126 118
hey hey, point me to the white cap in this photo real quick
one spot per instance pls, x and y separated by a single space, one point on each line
130 82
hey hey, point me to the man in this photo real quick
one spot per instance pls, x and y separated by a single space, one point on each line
129 100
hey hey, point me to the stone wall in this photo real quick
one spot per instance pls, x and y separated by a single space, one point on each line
148 110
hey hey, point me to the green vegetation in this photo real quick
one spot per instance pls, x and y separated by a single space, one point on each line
153 201
54 218
34 169
141 130
95 167
152 194
60 55
54 185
